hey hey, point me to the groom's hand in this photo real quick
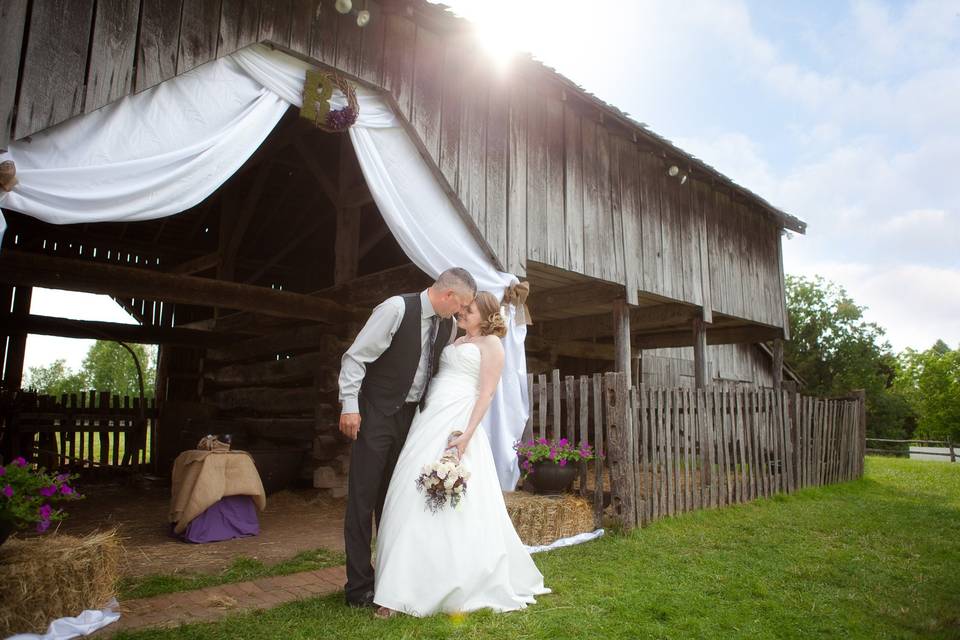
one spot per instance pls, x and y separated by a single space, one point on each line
350 425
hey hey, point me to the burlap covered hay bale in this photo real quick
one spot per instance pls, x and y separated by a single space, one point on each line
53 576
543 519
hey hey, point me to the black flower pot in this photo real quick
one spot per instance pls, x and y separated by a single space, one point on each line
6 528
549 478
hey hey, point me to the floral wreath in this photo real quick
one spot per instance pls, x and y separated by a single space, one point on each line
318 89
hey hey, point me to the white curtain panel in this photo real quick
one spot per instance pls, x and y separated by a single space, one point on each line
166 149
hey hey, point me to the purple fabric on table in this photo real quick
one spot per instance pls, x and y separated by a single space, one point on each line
231 517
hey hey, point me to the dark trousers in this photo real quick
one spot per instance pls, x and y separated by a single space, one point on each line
372 458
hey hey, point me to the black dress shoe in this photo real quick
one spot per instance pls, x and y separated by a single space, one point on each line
362 602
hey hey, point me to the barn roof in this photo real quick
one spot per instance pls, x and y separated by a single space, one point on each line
443 17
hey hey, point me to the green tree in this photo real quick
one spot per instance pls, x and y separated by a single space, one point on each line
836 350
109 367
55 379
930 380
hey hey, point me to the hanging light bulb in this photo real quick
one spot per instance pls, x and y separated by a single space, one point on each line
343 6
363 17
673 171
683 179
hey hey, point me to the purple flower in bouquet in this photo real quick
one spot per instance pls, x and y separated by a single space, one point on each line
19 461
49 490
42 526
3 471
66 490
8 491
45 512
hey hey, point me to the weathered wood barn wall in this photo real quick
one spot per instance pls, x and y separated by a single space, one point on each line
560 187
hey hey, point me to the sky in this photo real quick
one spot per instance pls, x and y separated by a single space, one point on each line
845 114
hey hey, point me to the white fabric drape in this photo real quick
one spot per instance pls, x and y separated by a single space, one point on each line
164 150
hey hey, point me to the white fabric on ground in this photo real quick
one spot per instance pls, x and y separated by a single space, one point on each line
81 625
566 542
164 150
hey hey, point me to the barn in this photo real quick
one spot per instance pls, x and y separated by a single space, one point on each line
640 258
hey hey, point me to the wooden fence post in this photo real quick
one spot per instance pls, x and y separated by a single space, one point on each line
861 395
619 454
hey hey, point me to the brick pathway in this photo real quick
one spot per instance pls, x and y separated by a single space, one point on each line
213 603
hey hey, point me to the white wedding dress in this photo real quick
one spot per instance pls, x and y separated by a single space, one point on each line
454 560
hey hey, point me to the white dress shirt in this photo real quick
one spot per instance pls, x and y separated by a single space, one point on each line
375 338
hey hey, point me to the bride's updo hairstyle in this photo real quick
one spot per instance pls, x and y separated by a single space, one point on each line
492 322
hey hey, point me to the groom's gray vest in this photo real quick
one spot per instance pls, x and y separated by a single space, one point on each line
388 379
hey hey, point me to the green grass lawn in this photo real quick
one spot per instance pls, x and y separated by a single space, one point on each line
876 558
241 570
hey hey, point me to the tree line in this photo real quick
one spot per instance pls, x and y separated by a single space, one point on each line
910 394
106 367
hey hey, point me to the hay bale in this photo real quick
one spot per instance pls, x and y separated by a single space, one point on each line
543 519
53 576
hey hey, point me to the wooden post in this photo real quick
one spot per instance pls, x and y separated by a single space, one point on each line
621 339
861 395
13 370
778 365
348 245
953 453
699 353
619 449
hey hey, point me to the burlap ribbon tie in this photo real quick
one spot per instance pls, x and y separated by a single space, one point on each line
517 295
8 175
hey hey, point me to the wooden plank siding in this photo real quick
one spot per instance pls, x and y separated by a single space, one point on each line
539 169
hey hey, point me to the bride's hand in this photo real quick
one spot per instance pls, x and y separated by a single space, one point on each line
460 442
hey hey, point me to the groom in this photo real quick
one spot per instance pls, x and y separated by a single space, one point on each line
384 376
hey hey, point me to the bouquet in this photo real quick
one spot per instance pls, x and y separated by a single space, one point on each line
445 480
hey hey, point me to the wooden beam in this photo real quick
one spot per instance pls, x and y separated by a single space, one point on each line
303 339
233 224
316 170
699 353
778 364
96 330
575 349
22 268
16 349
365 291
372 289
373 240
306 366
717 335
197 265
661 316
347 247
621 339
577 295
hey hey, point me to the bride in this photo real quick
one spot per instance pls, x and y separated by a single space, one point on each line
469 557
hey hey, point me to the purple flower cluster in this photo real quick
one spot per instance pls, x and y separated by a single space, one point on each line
342 119
561 452
30 494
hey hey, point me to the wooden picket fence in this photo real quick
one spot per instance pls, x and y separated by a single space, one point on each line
94 429
668 451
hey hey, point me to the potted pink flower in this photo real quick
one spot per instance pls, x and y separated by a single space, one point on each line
28 497
550 464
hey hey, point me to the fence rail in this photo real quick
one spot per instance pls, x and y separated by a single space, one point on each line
82 430
674 450
951 447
